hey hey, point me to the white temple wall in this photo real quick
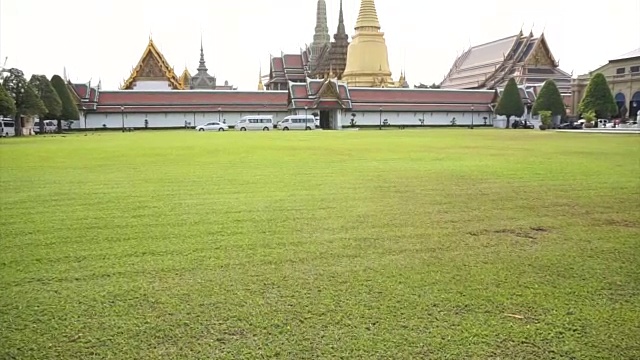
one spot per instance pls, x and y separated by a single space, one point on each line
394 118
152 85
163 120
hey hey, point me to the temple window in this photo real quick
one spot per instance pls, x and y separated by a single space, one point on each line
634 69
620 71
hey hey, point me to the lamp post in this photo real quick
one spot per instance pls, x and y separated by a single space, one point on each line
380 125
122 113
306 108
471 116
219 111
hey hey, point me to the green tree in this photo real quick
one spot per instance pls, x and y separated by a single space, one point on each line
49 97
510 103
549 99
598 98
7 104
27 101
69 108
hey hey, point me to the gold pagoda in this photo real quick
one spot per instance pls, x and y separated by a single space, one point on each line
367 57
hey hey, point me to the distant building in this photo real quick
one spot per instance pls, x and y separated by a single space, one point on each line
153 72
528 59
324 59
623 75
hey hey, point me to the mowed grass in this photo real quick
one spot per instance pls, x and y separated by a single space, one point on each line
431 244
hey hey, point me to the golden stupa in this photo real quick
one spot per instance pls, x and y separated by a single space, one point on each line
367 58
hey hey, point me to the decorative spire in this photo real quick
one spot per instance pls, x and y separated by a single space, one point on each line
202 67
367 17
341 29
260 84
322 30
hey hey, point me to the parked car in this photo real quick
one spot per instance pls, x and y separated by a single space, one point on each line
213 126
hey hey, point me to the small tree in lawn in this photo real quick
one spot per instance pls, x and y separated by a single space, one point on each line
598 98
545 117
7 104
510 103
27 101
549 99
69 108
49 97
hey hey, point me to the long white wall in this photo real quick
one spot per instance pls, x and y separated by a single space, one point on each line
413 118
157 120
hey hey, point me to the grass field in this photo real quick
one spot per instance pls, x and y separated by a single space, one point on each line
430 244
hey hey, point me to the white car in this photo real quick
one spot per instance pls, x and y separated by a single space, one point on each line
213 126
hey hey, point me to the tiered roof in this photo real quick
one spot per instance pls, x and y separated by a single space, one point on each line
152 65
488 66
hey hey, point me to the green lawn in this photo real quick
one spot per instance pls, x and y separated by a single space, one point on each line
459 244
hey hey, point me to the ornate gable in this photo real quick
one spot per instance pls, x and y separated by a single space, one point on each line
328 91
152 66
541 54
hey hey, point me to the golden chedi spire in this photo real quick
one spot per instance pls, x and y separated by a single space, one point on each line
260 84
367 58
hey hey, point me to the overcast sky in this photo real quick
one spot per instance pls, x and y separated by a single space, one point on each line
104 39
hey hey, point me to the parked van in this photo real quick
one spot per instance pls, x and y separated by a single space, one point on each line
7 127
255 122
49 126
298 122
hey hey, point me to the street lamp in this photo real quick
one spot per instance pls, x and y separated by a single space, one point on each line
122 113
219 110
306 108
471 116
380 126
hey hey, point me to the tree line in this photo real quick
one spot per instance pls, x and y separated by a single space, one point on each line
49 99
597 102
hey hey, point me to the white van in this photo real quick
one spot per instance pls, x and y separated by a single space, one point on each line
298 122
255 122
49 126
7 127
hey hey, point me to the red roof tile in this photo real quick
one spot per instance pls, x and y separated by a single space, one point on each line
81 90
419 107
292 61
210 100
421 96
277 64
299 91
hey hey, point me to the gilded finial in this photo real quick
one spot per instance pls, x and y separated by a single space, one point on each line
260 84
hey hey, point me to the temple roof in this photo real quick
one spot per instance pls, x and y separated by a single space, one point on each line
490 65
629 55
185 78
389 99
152 64
192 100
202 79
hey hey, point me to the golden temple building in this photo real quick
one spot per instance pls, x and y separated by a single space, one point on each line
367 57
324 59
153 72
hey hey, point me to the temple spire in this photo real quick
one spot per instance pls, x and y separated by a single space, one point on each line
202 67
260 84
321 35
367 17
341 29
